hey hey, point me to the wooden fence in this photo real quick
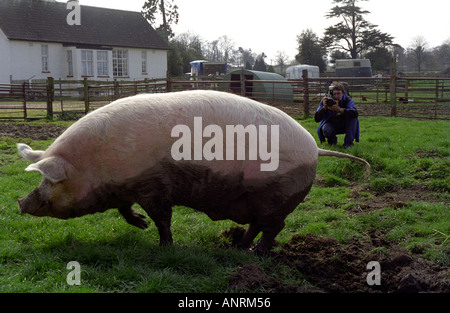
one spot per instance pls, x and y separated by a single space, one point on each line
18 100
425 98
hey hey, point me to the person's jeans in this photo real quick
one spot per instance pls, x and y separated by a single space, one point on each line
345 126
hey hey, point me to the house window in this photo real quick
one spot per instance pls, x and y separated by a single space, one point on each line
144 62
44 58
69 63
102 63
87 63
120 63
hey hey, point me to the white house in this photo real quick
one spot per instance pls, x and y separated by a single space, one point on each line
38 40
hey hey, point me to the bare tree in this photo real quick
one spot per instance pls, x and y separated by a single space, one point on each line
213 53
281 59
443 55
226 45
418 51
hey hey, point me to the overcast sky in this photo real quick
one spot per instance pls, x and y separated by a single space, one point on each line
273 25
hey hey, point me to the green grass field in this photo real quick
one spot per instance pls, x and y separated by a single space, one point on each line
406 199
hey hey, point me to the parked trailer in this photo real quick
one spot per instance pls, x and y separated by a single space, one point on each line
353 68
261 86
295 71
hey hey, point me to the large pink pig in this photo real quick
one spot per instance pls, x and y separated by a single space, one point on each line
227 156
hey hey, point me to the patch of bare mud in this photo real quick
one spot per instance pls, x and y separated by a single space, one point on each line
330 266
35 132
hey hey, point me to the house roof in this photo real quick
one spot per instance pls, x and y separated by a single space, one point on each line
44 21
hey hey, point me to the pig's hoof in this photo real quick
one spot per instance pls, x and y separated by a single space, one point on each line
165 242
262 250
134 218
257 250
139 221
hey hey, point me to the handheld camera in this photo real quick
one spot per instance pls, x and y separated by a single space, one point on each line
330 99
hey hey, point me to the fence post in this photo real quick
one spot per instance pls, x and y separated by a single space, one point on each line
60 95
116 89
24 95
146 85
194 79
86 95
406 89
393 87
50 96
305 93
437 98
168 82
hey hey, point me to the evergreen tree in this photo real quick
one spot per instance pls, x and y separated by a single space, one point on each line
169 14
353 34
310 51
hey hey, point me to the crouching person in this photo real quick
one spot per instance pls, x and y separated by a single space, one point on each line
341 117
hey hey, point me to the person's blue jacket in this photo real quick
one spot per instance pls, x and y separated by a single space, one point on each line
348 104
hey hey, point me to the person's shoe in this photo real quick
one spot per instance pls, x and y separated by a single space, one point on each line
332 142
347 145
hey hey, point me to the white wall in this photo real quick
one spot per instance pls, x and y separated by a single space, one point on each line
5 59
156 63
23 60
26 60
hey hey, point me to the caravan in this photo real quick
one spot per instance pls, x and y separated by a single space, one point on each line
353 68
295 72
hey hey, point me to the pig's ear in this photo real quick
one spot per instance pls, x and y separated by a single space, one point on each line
52 168
29 154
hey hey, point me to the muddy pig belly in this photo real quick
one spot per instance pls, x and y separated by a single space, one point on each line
232 197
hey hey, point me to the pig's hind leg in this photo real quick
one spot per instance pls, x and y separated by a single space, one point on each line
250 234
133 217
269 232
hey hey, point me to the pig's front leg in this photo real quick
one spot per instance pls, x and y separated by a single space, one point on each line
163 225
133 217
158 208
162 216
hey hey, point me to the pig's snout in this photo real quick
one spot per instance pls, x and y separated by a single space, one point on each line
21 207
34 205
26 207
